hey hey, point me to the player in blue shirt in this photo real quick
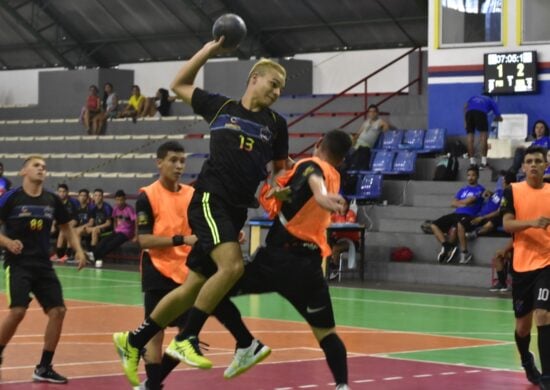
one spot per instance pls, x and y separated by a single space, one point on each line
487 220
467 201
5 184
475 117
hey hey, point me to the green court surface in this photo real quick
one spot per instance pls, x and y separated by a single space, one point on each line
486 318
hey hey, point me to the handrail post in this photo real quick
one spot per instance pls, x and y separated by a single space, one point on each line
366 99
419 77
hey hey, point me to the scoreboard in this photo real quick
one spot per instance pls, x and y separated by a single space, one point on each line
510 73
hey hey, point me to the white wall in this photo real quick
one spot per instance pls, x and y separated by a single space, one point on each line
332 72
474 55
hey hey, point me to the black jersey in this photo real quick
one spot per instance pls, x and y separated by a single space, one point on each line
300 194
100 215
83 214
29 220
72 205
242 142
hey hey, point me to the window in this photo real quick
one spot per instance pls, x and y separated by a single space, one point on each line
535 26
471 21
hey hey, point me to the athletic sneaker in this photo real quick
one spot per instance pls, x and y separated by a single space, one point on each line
245 358
498 287
188 352
47 374
531 371
129 357
98 263
343 386
442 254
91 257
145 386
451 254
471 235
465 257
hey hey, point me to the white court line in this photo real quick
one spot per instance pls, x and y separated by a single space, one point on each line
422 305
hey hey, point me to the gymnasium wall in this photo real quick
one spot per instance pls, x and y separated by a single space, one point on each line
456 73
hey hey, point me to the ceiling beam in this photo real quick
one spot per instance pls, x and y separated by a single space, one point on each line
396 22
71 33
45 44
325 23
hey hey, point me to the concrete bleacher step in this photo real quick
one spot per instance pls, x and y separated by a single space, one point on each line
428 273
425 247
397 212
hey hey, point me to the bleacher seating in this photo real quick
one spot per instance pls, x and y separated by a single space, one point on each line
405 162
390 140
434 140
368 187
382 161
413 139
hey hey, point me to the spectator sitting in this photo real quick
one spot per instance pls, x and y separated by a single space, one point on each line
337 239
124 218
541 137
109 106
502 262
71 205
5 183
159 105
135 106
84 218
92 110
487 220
467 201
101 217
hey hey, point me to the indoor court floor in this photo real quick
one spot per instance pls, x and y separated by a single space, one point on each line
395 340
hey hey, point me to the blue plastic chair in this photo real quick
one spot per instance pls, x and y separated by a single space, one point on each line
434 140
382 161
413 139
405 162
390 140
369 186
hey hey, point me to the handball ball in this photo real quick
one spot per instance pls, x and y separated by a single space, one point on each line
232 27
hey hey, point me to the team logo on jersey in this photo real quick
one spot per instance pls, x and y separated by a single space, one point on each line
265 134
48 212
503 203
308 171
24 212
233 124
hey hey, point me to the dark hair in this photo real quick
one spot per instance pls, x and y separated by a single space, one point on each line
473 168
337 144
64 186
120 194
105 96
94 87
84 190
137 87
372 106
534 149
164 103
99 190
170 146
1 165
546 129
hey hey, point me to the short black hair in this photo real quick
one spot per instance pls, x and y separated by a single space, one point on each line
546 129
337 144
64 186
120 194
372 106
534 149
85 190
170 146
473 168
99 190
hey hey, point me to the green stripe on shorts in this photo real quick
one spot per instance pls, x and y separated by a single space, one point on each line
209 219
7 280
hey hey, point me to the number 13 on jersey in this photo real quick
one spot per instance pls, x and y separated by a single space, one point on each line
247 143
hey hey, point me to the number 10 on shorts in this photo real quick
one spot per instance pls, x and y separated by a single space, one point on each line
543 294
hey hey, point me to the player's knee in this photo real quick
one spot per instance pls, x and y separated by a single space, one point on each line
57 313
542 317
18 313
523 327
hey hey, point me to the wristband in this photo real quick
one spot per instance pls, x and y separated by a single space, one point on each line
178 240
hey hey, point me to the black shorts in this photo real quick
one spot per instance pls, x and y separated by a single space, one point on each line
38 279
530 290
448 221
476 119
496 221
214 221
155 286
296 274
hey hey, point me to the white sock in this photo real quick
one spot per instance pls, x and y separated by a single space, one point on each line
484 160
472 161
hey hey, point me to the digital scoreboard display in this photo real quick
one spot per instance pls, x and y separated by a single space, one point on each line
510 73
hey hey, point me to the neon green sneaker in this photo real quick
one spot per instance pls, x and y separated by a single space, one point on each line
188 352
245 358
129 357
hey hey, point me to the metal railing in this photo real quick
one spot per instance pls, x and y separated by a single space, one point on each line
364 80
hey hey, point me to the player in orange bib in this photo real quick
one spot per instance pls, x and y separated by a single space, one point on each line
526 214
